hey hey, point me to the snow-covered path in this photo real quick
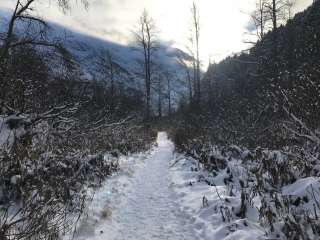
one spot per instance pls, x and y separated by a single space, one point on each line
145 208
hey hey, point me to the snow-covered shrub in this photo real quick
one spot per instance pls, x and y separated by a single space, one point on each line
59 135
281 186
45 170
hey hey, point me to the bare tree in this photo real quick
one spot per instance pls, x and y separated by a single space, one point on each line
169 88
160 78
107 65
260 18
289 8
34 35
146 39
194 39
279 11
269 13
185 64
112 70
23 11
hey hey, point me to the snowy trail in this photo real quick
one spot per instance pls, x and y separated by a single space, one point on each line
162 195
143 204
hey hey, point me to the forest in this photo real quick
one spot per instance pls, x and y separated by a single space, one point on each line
100 140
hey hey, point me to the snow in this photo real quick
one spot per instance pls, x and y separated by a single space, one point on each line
157 195
207 220
14 179
8 135
160 194
138 202
307 189
302 187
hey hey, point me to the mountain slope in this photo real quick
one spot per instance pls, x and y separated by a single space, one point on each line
251 91
88 51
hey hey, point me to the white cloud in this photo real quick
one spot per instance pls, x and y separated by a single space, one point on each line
223 21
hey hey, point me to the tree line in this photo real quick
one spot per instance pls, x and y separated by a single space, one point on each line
58 126
147 39
260 110
255 92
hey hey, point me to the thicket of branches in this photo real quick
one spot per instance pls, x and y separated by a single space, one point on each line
247 97
56 128
266 98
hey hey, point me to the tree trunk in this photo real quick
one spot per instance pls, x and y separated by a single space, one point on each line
190 86
169 96
195 81
159 98
198 72
275 32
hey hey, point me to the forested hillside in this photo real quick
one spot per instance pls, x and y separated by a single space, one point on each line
257 128
249 95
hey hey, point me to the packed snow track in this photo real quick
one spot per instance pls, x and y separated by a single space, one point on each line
138 203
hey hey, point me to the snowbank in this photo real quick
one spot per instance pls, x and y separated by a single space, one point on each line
11 127
209 207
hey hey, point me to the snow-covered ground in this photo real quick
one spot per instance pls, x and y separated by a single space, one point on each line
8 134
164 195
139 202
204 203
